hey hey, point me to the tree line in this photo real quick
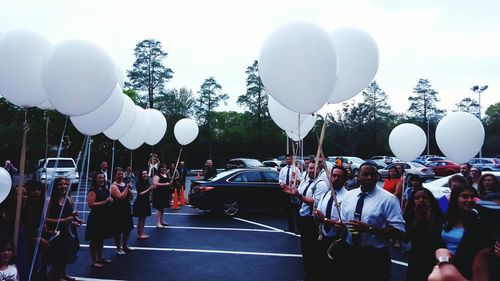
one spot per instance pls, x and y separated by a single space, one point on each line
359 128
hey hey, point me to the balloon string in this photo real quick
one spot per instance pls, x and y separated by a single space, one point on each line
112 161
22 164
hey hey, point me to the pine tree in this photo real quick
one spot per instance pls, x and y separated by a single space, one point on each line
468 105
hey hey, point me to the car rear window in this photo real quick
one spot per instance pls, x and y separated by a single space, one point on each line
61 164
253 163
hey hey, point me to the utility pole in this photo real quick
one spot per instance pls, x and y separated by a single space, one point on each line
479 89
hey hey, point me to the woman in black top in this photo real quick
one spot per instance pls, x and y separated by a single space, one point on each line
122 213
423 229
142 208
161 194
99 200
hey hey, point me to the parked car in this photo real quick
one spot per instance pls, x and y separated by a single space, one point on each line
426 159
47 170
355 162
239 189
273 164
411 168
486 164
444 167
243 163
440 187
385 159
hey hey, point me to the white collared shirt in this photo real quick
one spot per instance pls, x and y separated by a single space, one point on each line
316 189
334 215
284 171
380 210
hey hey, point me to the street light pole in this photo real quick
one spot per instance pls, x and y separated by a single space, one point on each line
477 89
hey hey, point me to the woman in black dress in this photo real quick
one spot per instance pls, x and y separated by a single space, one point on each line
99 201
423 219
64 245
161 194
142 208
122 213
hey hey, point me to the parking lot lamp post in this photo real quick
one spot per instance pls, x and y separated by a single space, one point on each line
479 89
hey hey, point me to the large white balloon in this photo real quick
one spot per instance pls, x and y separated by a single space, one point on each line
124 122
407 141
357 58
140 129
78 77
103 117
298 66
120 76
157 128
185 131
305 128
21 57
460 136
285 118
5 184
46 105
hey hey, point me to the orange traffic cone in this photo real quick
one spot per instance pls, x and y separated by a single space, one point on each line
176 201
198 176
183 201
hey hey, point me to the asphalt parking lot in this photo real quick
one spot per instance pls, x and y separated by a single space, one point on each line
204 246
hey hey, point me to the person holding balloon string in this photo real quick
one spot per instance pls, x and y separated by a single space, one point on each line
122 212
161 194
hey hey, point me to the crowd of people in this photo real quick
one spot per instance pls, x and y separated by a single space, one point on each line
47 235
347 225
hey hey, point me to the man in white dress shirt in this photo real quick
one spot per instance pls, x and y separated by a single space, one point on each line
327 216
287 178
310 192
373 218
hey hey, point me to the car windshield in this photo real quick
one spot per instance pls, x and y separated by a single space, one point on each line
61 164
221 175
253 163
356 160
417 165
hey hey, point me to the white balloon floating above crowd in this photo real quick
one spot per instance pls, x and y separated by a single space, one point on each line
80 80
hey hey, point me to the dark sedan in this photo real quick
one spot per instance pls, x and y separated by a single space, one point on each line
239 189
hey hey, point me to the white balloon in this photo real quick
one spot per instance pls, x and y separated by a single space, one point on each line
135 137
298 66
120 76
460 136
46 105
357 58
78 77
185 131
103 117
124 122
21 57
407 141
285 118
5 184
305 128
158 126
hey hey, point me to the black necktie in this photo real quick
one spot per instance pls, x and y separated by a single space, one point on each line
356 239
288 176
328 214
307 187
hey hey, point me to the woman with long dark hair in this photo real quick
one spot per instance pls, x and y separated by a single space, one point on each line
161 194
142 208
122 212
99 200
488 183
460 227
393 183
423 222
60 219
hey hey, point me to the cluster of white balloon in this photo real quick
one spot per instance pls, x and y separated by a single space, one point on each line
459 135
78 79
303 67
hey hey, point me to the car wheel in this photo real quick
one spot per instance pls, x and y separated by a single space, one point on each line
380 177
231 207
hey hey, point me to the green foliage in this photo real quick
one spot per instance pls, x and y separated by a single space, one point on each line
148 73
423 103
468 105
176 104
134 96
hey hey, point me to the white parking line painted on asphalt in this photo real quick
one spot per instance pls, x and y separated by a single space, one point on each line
206 251
279 230
267 226
94 279
170 214
210 228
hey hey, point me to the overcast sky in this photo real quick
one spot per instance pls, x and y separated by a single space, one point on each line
453 43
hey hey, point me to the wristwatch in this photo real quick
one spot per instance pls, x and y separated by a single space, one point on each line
443 260
325 219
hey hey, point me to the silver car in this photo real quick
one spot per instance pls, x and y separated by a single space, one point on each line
355 162
47 170
411 168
